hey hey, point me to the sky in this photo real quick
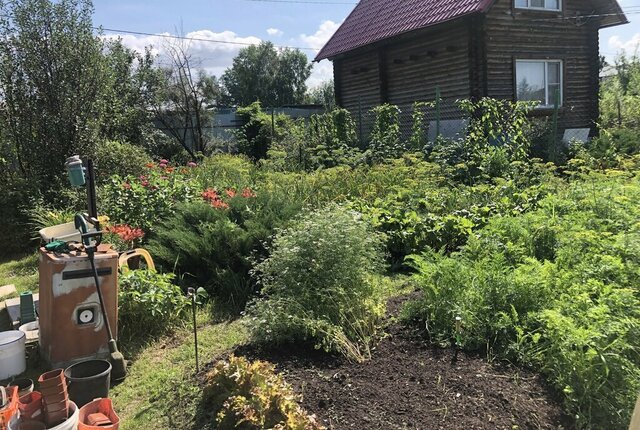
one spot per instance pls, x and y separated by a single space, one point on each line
304 24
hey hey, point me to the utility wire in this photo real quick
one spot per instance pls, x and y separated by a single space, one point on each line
632 10
304 2
195 39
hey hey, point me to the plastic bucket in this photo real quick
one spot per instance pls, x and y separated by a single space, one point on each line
32 330
88 380
70 423
12 357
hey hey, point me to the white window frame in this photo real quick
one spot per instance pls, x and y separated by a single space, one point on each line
546 105
529 7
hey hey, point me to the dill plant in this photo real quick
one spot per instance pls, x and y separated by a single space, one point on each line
319 284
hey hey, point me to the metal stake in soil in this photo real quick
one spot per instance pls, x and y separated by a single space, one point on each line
192 293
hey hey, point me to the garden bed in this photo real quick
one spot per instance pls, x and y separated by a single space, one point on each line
410 385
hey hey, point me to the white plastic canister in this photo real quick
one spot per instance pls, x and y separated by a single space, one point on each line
12 357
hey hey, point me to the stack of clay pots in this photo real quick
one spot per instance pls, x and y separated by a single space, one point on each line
55 399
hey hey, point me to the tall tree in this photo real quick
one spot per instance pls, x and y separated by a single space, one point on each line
183 106
132 86
324 94
51 76
268 75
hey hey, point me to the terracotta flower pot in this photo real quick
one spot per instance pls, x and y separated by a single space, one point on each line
98 415
55 399
53 390
52 378
30 406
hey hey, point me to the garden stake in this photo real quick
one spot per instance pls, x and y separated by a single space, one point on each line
192 293
458 338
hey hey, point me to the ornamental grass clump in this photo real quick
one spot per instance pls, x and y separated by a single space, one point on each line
319 284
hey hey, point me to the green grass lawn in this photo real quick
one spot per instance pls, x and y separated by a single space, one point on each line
22 272
161 389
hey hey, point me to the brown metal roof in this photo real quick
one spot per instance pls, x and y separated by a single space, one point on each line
375 20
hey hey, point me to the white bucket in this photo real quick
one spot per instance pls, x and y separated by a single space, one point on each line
32 330
70 423
12 357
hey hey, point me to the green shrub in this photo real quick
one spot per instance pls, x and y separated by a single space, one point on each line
213 245
318 284
149 303
385 142
488 295
251 396
119 158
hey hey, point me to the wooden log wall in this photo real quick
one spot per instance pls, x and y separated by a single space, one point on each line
407 70
520 34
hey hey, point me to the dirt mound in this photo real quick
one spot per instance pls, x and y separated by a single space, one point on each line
410 385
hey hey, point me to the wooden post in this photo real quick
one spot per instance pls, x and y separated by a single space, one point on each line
635 419
437 111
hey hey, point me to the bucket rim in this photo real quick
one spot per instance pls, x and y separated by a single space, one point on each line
9 340
68 370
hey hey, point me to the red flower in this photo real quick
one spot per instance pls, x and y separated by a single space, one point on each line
169 169
150 165
126 233
231 192
247 193
163 161
210 195
126 186
219 204
191 164
145 183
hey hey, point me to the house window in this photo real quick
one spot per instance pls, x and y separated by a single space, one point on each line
539 80
539 4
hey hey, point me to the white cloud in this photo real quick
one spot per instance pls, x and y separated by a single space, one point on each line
274 32
320 37
322 71
630 46
213 57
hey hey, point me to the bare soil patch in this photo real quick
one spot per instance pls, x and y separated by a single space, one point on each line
410 385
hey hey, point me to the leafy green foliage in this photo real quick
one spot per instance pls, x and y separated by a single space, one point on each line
318 284
118 158
385 141
323 94
214 247
51 79
145 200
620 94
332 140
263 73
252 396
497 135
555 288
149 303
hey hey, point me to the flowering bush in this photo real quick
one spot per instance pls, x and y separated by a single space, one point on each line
143 201
211 196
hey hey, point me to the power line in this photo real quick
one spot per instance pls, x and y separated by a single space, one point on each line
304 2
196 39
